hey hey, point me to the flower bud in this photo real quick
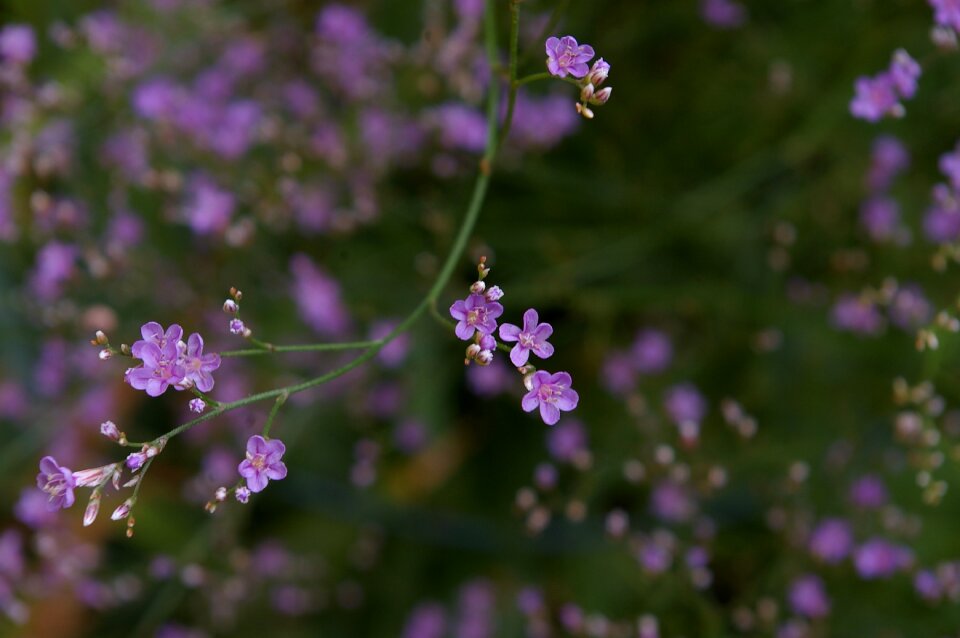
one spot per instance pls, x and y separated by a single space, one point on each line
237 327
478 287
586 93
94 476
105 354
494 293
230 307
584 111
136 460
124 510
110 430
220 494
598 72
487 342
528 381
944 38
93 508
485 357
197 405
472 351
242 494
600 97
101 338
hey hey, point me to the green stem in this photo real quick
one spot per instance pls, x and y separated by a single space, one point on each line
309 347
273 414
533 78
446 272
514 45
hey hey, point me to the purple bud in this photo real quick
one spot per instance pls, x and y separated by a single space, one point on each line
237 327
494 293
242 494
197 405
110 430
136 460
487 342
600 97
124 510
478 287
230 307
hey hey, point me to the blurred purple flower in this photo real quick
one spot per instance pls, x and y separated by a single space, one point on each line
18 44
875 97
856 314
808 597
879 558
910 309
723 14
567 440
832 540
317 296
684 404
880 216
888 159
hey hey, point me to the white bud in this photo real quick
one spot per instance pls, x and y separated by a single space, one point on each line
110 430
478 287
124 510
220 494
584 111
105 354
230 307
93 508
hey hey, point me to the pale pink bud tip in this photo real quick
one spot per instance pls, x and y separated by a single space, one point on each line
230 307
110 430
105 354
123 511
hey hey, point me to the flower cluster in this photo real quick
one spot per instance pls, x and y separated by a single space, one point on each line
880 213
566 57
476 321
169 361
880 95
941 224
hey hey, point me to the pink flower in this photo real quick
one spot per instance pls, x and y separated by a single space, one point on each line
552 393
263 462
198 366
565 56
533 337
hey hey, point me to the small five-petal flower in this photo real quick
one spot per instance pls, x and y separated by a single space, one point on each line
531 338
263 462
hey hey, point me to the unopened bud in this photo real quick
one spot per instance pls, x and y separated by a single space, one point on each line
125 349
528 381
598 72
93 508
586 93
600 97
230 307
472 351
101 338
485 357
236 294
494 293
237 327
110 430
584 111
487 342
105 354
478 287
220 494
124 510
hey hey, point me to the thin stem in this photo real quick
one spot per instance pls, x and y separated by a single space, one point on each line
514 45
273 414
201 395
446 272
309 347
546 75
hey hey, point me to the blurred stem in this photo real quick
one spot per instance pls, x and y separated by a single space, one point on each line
514 44
309 347
446 272
546 75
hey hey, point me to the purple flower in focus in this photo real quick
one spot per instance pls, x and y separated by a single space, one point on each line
565 56
723 14
552 393
831 541
153 332
946 13
875 97
808 597
263 462
198 366
18 44
57 482
475 313
532 338
160 353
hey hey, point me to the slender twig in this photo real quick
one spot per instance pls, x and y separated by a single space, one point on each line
309 347
273 414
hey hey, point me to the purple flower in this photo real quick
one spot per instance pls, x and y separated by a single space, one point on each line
671 502
565 56
889 158
853 313
808 597
159 371
910 308
684 404
18 44
880 216
56 481
198 366
317 295
533 337
136 460
941 224
875 97
567 440
154 333
927 586
552 392
242 494
652 352
868 492
904 73
197 405
723 14
263 462
950 166
831 541
946 13
879 558
475 313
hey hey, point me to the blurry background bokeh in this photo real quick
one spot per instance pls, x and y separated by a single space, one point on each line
735 268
